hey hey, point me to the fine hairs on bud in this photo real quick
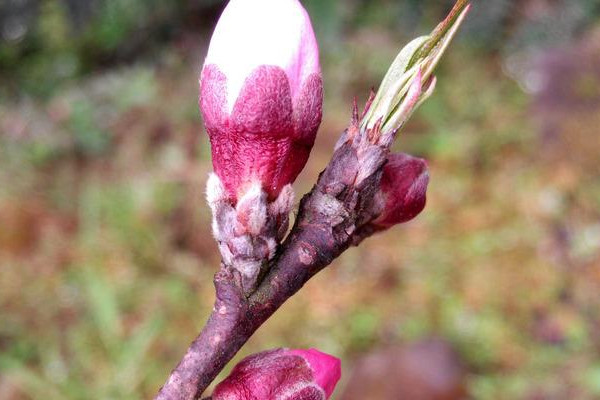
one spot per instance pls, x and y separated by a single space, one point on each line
216 197
261 94
252 209
280 210
215 191
248 233
284 202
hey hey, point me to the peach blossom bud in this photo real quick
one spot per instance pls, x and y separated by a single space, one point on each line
403 190
281 374
261 94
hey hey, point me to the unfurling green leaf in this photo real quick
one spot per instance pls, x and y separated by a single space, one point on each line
409 80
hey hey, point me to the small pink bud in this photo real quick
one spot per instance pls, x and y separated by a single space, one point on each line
261 94
403 189
281 375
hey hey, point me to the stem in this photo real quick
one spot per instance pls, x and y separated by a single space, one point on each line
218 342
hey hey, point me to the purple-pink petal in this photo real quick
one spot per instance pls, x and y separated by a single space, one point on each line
281 375
404 188
261 94
327 369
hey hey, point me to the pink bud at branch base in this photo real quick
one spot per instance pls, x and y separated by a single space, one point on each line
281 375
261 94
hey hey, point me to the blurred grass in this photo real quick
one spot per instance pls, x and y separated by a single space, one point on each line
106 258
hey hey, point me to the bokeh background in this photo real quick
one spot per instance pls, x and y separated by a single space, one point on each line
106 258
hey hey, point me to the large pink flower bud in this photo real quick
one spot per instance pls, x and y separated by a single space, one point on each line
261 94
403 190
281 375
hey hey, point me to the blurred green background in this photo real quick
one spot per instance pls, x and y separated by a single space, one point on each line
106 257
